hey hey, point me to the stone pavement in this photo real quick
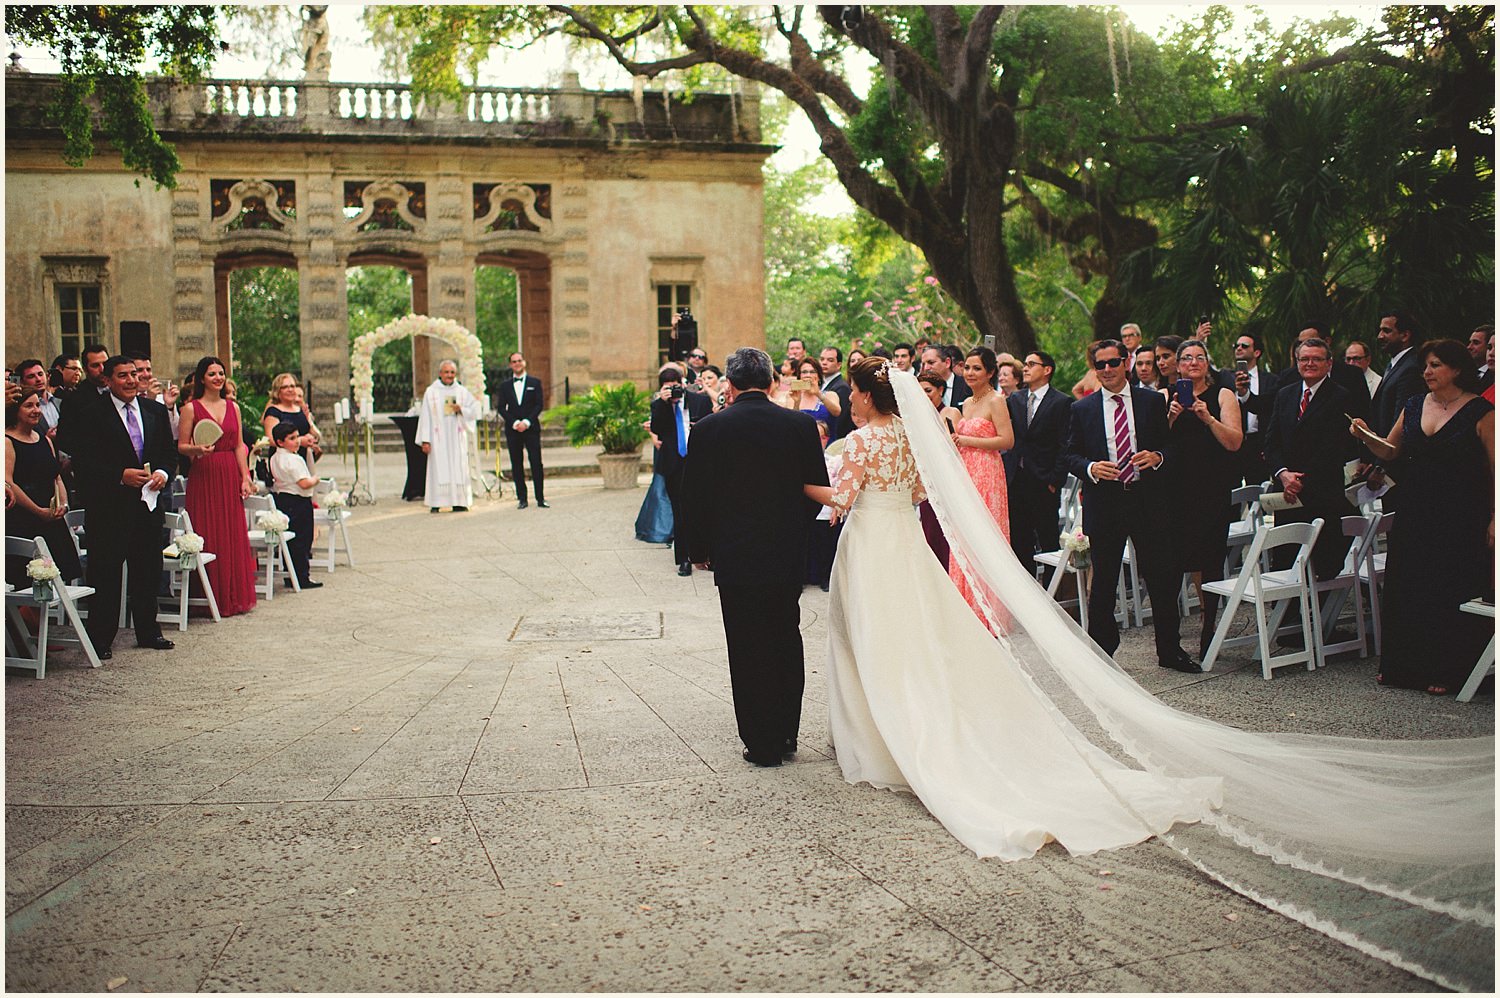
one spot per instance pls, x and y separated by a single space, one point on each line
499 754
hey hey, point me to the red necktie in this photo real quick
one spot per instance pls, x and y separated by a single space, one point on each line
1122 442
1306 398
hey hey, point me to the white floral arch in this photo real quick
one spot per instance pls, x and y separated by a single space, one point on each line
470 353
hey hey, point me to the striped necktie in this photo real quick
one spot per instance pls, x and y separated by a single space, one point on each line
1123 453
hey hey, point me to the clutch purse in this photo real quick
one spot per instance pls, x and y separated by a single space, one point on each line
206 433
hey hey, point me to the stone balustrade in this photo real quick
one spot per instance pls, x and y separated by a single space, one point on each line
236 108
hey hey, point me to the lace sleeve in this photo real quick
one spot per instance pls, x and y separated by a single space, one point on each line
851 473
918 491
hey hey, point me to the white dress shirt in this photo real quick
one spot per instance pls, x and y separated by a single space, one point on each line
1109 426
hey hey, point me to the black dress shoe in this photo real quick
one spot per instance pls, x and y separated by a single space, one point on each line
157 643
756 760
309 584
686 568
789 748
433 510
1182 663
460 509
543 504
104 655
522 504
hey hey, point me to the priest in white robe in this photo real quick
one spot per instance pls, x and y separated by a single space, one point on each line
445 427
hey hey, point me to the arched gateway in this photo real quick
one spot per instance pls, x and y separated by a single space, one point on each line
604 205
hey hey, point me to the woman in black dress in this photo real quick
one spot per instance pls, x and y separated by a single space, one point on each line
287 406
1443 538
31 471
1202 473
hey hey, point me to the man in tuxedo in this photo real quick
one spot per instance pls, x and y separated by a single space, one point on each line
124 444
1479 347
831 363
1403 375
747 514
955 390
1118 438
674 413
1307 445
1255 387
74 403
520 401
1039 416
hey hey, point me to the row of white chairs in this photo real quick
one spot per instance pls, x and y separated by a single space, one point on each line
65 609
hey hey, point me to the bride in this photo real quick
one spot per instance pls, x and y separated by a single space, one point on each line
1038 736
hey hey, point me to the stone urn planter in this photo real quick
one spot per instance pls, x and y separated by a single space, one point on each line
620 471
612 418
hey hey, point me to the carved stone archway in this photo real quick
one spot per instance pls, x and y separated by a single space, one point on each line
415 266
224 265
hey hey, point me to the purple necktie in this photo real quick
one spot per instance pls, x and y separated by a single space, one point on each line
133 427
1122 442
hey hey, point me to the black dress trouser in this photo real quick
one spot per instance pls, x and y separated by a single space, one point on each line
1110 515
765 663
298 510
529 444
134 540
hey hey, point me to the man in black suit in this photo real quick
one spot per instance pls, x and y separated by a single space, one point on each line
1307 445
831 363
520 402
674 413
1039 416
1403 375
71 404
747 514
955 390
1118 438
1479 348
1348 377
1255 387
124 443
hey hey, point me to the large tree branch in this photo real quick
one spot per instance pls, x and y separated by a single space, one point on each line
912 72
617 50
806 64
1196 127
972 76
947 35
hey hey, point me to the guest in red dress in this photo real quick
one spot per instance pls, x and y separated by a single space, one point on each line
217 483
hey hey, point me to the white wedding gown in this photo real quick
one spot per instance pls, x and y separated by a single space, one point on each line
1009 741
921 696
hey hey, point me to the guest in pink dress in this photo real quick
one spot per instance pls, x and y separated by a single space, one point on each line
217 483
983 432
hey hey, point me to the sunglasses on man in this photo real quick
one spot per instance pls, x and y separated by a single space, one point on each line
1101 365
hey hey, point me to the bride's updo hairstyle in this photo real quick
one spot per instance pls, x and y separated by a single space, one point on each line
871 375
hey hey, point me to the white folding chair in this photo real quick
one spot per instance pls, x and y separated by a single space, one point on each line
1062 565
1242 530
1275 590
1372 571
180 576
273 558
1486 664
32 654
1331 593
336 530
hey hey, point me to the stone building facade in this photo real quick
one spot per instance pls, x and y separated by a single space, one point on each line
606 205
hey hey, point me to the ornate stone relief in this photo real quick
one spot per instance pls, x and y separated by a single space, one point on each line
253 205
76 269
386 200
524 199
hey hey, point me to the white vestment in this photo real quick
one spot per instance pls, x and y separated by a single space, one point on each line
447 422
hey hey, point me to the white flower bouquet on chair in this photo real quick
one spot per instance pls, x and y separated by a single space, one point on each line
185 547
273 522
334 504
1076 544
43 573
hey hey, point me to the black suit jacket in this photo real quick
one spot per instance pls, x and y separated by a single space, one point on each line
71 408
1318 444
746 512
105 451
1087 444
844 424
530 406
961 391
1348 377
664 425
1399 384
1039 444
1258 402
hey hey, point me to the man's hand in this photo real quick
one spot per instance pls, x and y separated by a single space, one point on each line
158 480
169 397
1291 484
521 425
1144 460
1242 382
134 478
427 448
1104 471
1204 331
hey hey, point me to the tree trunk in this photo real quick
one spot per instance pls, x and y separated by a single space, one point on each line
998 310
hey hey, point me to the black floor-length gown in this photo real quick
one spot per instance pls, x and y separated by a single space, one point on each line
1438 558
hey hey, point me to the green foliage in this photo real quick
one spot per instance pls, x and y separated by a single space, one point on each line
263 318
378 295
103 51
614 418
496 290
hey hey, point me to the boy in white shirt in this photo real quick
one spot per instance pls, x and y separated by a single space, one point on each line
292 491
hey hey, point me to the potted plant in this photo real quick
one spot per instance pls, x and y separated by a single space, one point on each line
612 418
